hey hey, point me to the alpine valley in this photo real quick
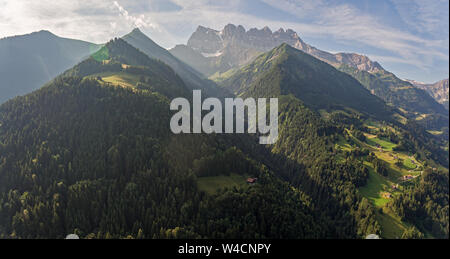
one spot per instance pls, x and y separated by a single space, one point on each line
359 152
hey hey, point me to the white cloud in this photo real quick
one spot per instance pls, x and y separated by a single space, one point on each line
425 16
137 21
345 24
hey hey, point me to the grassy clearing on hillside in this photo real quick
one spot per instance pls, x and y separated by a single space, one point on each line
369 135
422 117
343 145
376 184
391 225
409 164
403 120
120 79
372 124
385 144
435 132
212 184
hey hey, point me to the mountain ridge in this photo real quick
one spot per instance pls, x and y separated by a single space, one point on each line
213 44
438 90
192 78
41 55
287 70
221 52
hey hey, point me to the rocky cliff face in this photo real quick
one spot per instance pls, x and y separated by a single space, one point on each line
205 40
358 61
235 46
438 91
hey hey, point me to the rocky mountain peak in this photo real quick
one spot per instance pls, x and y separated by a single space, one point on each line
439 90
205 40
136 30
359 61
208 40
267 30
241 46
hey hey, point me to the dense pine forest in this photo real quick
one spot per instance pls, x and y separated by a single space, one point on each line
91 153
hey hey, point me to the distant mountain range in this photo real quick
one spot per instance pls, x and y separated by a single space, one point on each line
438 90
234 46
42 56
213 53
29 61
210 53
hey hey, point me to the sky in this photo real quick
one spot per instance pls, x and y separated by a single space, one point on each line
407 37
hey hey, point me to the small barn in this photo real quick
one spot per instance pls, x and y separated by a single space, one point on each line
407 177
252 180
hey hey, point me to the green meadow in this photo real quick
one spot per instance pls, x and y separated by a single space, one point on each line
211 184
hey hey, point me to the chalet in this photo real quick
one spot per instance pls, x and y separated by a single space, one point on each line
251 180
387 195
407 177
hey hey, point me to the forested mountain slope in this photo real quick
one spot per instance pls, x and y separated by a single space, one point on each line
339 140
192 78
92 153
415 103
286 70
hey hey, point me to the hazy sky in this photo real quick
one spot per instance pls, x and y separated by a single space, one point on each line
408 37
